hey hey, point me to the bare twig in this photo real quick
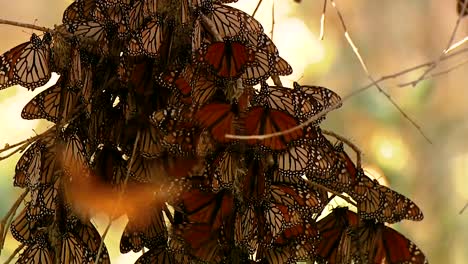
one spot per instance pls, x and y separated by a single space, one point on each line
168 215
347 142
322 20
466 205
4 224
257 7
447 49
437 74
12 256
369 76
277 80
457 44
272 20
345 98
347 199
25 25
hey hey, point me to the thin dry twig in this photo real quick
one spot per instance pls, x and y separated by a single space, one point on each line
345 98
5 223
322 20
12 256
276 80
437 74
464 207
347 142
120 197
346 198
369 76
272 19
257 7
457 44
447 49
25 25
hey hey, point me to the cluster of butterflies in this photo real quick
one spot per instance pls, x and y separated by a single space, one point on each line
147 94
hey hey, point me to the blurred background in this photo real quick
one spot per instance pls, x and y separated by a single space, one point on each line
391 36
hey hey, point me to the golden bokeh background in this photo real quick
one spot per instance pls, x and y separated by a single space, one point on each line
392 35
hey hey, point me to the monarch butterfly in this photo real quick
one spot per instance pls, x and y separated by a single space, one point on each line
377 243
295 160
204 87
53 104
136 16
335 244
87 88
219 118
274 97
246 228
159 254
75 158
37 165
381 203
145 228
231 22
254 182
345 237
228 58
258 69
116 15
274 64
150 142
79 10
151 37
43 201
296 243
306 200
200 242
39 252
28 165
314 99
91 239
91 31
179 81
24 229
27 64
206 207
264 120
327 168
228 168
72 249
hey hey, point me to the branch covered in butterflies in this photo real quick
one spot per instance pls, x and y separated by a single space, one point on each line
58 29
24 25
